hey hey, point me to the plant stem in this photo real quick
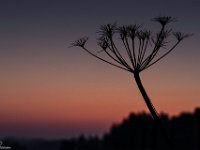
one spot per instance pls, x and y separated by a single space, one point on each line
152 110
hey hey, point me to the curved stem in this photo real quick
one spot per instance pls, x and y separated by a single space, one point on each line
152 110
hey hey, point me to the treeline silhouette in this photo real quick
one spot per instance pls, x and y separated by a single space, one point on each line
137 132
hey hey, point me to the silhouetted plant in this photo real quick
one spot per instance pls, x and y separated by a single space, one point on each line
137 55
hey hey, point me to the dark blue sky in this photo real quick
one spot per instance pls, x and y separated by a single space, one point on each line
24 21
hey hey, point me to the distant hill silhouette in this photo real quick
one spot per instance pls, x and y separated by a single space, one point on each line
136 132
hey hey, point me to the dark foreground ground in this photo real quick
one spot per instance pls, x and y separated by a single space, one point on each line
136 132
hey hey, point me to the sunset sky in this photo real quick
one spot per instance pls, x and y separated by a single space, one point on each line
52 91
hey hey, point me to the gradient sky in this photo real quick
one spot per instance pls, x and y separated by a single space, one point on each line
48 90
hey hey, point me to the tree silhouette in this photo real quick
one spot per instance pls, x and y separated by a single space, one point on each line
141 50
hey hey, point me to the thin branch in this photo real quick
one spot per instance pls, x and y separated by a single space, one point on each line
140 41
161 56
132 33
144 51
129 52
160 42
104 45
127 47
107 32
133 49
145 36
122 61
149 58
107 61
124 31
179 36
118 54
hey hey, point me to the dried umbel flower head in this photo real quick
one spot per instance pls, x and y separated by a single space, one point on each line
103 43
108 30
80 42
129 30
142 48
164 20
180 36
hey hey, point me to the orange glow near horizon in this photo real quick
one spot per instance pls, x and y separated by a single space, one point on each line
97 97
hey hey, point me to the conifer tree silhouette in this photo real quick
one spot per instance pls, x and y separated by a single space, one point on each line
142 49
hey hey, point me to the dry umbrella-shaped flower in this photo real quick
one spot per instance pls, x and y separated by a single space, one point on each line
142 49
